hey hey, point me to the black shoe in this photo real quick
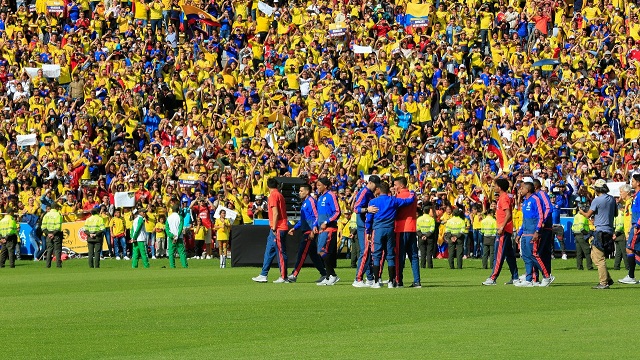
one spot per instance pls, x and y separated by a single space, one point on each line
600 286
415 285
580 268
400 284
616 268
610 282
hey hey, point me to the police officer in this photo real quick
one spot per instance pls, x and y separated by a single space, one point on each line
52 229
8 238
489 228
454 234
94 228
426 237
580 230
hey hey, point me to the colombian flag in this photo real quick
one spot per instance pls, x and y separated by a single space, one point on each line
193 14
533 136
495 146
417 14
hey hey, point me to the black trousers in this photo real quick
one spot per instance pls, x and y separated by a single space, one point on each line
95 248
54 245
621 252
9 250
456 251
427 247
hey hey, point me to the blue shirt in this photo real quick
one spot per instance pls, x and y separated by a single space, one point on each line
387 208
308 215
328 210
362 201
635 209
532 215
545 200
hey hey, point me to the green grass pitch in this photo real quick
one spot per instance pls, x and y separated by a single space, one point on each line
205 312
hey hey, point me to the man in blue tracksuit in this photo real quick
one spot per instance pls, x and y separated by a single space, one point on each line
360 206
529 235
380 227
308 216
326 226
560 205
546 233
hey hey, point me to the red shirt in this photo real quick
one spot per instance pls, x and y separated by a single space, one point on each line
203 214
276 200
406 215
504 204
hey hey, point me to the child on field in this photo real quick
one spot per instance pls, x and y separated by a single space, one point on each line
223 230
161 238
198 234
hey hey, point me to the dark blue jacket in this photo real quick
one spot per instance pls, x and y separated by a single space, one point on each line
387 208
308 215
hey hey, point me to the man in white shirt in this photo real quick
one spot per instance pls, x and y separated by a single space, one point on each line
139 238
173 228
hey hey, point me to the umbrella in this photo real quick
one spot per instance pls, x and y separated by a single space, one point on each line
545 62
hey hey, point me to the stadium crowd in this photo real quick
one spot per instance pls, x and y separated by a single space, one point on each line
203 106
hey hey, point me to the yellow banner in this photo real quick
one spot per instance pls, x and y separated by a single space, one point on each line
74 237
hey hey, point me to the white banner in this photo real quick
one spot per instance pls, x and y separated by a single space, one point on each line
124 199
362 49
26 140
49 71
229 214
266 9
614 188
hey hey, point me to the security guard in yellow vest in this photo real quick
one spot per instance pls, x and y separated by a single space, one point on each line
454 233
94 227
489 230
581 231
426 226
8 238
52 230
620 238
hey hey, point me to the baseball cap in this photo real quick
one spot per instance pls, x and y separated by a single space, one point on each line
527 179
600 183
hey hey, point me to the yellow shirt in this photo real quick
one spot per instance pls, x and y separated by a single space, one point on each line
117 226
223 228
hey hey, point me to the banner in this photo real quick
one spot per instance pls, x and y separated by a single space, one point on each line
124 199
229 214
26 140
74 237
418 14
266 9
49 71
55 6
336 30
189 180
357 49
614 188
27 240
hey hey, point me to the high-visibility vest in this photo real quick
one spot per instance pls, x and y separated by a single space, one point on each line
426 224
618 223
94 224
455 226
52 221
489 226
8 226
580 224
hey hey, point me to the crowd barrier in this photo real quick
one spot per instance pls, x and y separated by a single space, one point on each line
73 238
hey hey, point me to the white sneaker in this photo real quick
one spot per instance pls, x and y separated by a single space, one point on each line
360 284
370 283
546 281
564 256
281 281
391 285
208 257
333 280
523 277
324 282
524 284
260 279
489 282
153 258
117 257
376 285
292 278
628 280
126 258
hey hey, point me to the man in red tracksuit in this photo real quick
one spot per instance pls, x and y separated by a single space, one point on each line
406 238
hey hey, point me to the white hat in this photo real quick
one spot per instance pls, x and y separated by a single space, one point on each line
527 179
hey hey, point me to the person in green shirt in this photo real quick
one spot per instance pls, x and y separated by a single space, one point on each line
489 230
8 238
52 229
94 228
581 234
139 238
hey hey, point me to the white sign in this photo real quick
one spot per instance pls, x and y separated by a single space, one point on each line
49 71
614 188
229 214
362 49
266 9
124 199
26 140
